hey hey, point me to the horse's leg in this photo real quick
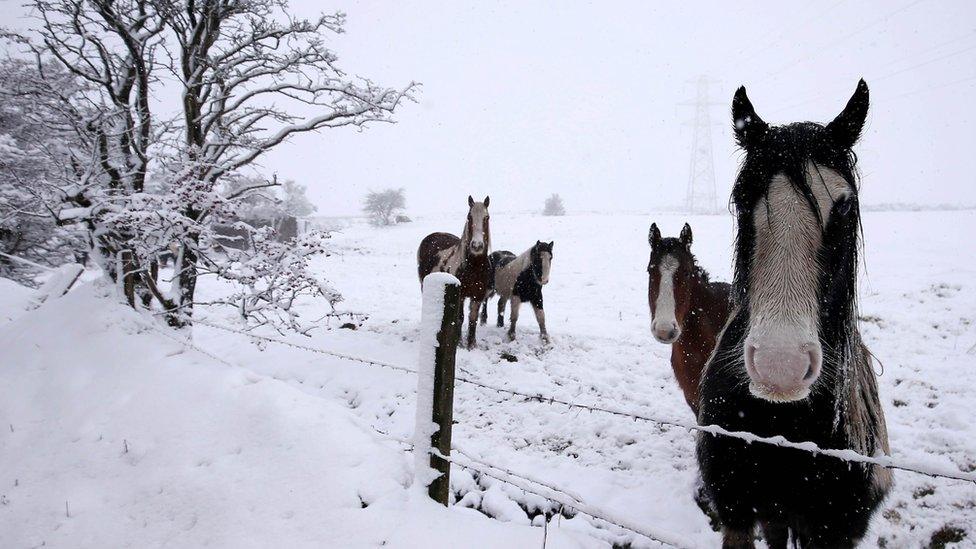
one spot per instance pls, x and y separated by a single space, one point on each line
540 317
484 312
516 304
777 535
502 300
737 539
473 310
460 317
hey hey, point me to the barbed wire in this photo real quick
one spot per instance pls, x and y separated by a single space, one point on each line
780 441
309 349
567 500
561 497
850 456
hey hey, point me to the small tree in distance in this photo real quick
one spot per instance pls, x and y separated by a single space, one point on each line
554 205
382 206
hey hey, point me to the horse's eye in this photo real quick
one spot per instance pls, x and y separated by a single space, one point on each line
844 206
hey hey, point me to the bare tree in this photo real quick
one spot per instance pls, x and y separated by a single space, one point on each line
247 70
250 75
382 206
554 205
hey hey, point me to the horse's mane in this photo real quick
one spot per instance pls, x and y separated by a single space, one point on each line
675 247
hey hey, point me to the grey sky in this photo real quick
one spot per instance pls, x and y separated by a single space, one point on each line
523 99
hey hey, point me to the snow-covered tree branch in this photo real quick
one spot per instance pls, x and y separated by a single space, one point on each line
153 177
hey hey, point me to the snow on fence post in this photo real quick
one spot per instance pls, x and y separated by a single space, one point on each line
439 336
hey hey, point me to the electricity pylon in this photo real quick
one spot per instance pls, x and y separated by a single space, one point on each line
700 196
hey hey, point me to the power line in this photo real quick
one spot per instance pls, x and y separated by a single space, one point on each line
815 98
791 31
834 43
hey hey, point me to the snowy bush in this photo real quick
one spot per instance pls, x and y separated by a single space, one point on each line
382 207
554 206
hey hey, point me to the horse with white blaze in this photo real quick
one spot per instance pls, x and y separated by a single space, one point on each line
688 311
465 257
519 279
790 361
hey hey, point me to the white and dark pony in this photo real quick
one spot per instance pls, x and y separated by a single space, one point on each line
790 361
519 279
465 257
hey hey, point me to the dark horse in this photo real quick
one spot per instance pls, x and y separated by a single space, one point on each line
790 361
519 279
465 257
687 310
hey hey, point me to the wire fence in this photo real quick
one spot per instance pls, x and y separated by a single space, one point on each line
931 470
565 498
561 496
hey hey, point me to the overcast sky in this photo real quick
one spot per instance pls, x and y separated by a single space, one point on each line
523 99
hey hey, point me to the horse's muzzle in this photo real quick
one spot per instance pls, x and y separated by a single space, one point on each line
782 367
665 331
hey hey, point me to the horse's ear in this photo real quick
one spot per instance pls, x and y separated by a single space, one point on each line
551 244
654 236
749 128
470 201
846 128
686 235
487 198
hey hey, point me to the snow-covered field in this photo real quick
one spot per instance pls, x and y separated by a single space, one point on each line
114 435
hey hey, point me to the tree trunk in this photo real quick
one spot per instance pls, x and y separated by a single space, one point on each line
186 266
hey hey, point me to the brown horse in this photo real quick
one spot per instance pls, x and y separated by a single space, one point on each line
465 257
687 311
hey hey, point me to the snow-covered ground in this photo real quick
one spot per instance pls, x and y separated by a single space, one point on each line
152 444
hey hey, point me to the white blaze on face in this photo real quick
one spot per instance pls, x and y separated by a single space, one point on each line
783 355
479 240
664 324
546 264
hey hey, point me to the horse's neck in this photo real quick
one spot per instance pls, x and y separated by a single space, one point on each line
703 299
520 263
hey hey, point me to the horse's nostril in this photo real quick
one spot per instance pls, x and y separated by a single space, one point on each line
810 373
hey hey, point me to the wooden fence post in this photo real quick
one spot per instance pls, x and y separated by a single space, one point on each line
441 405
443 416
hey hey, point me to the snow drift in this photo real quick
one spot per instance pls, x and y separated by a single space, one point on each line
117 436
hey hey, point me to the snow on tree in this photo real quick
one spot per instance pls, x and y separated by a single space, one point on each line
33 151
382 206
249 75
554 206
